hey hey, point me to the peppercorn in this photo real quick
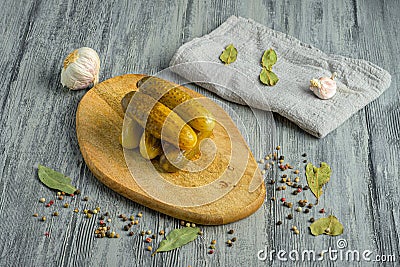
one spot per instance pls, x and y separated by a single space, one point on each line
306 187
153 236
305 161
212 247
89 215
273 198
35 215
94 211
231 231
182 223
284 187
296 171
126 227
47 205
278 188
290 205
278 148
161 232
199 233
193 225
66 205
44 218
322 210
60 198
283 199
77 192
296 232
148 232
55 213
116 235
312 219
290 216
294 228
310 205
86 199
130 233
233 239
76 210
213 242
229 242
299 190
112 234
136 222
281 161
261 161
42 200
142 233
140 215
306 211
149 248
295 192
132 218
148 239
124 219
297 179
283 180
106 214
298 209
211 251
108 220
304 155
278 222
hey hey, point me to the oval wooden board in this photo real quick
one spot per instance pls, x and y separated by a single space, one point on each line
99 121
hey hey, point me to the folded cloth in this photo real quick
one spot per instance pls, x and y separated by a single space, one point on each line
358 81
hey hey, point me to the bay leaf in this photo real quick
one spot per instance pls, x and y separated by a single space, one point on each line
177 238
269 59
55 180
268 77
229 55
328 226
317 177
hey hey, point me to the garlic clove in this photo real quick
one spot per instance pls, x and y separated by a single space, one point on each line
324 87
80 69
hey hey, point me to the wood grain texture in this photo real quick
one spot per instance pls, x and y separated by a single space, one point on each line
223 184
38 126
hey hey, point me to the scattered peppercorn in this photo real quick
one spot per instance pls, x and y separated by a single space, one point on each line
199 233
233 239
310 205
278 222
86 199
273 198
182 223
76 210
130 233
42 200
55 213
77 192
149 248
44 218
126 227
296 232
142 233
296 171
212 247
148 239
213 242
229 242
231 231
148 232
322 210
35 215
66 205
298 209
89 215
161 232
306 211
304 155
283 199
278 148
312 219
305 161
193 225
211 251
290 216
60 197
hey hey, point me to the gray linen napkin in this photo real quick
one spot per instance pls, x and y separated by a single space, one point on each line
359 81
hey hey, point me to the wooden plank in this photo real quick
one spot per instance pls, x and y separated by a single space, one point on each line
38 119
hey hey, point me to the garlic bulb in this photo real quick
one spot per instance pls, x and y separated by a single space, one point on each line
81 69
324 87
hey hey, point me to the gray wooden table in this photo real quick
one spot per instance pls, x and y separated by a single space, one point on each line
38 126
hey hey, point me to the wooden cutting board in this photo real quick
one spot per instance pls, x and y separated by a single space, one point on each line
219 194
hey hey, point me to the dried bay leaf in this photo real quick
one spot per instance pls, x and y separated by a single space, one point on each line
229 55
177 238
269 59
329 226
268 77
55 180
317 177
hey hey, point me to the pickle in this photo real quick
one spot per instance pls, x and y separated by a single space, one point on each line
131 133
149 147
169 94
156 118
181 158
